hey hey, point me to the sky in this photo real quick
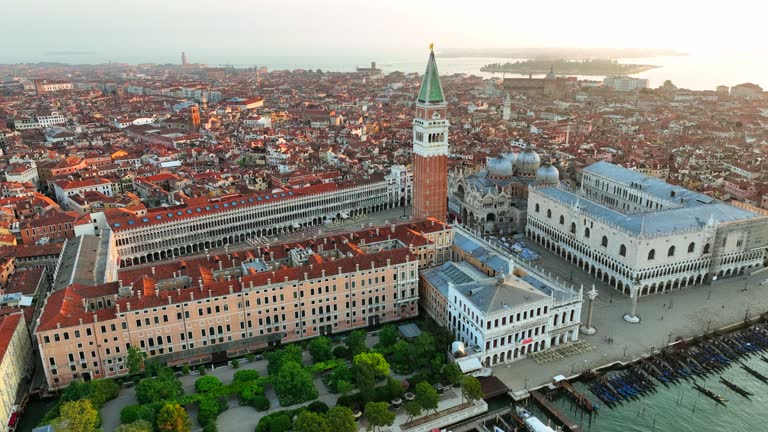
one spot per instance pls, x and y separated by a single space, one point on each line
228 30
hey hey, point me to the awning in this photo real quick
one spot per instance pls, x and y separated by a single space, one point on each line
469 364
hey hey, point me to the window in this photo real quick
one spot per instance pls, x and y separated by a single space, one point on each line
706 248
549 213
604 242
691 247
562 220
623 250
671 251
573 227
652 254
586 232
537 208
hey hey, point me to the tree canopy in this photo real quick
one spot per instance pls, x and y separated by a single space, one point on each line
137 426
293 384
320 349
388 335
165 387
471 389
173 418
291 353
427 396
341 419
378 415
309 421
135 360
356 342
77 416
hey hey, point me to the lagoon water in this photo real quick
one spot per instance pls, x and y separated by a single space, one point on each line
681 408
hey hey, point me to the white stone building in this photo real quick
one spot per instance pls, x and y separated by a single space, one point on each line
625 83
636 232
503 317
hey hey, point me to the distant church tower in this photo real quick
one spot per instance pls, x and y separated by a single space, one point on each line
430 147
193 122
507 111
184 59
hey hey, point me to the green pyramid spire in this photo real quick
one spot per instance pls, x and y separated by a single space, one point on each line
431 90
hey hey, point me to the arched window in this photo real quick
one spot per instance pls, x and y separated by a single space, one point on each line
671 251
562 220
573 228
549 213
691 247
623 250
586 232
537 208
706 248
604 242
652 254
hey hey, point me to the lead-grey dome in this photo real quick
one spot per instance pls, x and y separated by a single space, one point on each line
499 167
548 174
528 162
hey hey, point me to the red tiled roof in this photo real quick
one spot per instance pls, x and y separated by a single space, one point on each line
203 206
8 326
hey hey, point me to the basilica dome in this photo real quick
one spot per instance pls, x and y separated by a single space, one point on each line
511 157
528 161
499 168
548 174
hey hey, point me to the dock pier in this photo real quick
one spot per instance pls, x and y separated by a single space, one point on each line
552 411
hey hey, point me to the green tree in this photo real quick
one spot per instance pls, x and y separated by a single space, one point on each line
137 426
293 384
320 349
413 408
340 373
173 418
471 389
427 396
388 335
368 367
279 422
422 350
401 357
77 416
245 375
291 353
132 413
452 373
344 387
394 388
341 419
152 367
165 387
378 415
309 421
135 360
76 390
356 342
207 384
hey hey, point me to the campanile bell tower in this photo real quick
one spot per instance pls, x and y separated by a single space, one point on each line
430 147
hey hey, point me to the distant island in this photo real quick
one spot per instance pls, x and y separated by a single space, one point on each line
559 53
568 67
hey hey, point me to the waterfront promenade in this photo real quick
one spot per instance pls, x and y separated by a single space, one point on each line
664 317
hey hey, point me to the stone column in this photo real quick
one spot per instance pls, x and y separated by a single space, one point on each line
588 329
632 316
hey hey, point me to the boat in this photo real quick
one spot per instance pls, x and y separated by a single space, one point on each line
736 388
710 394
531 422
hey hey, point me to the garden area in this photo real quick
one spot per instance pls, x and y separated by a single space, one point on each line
359 381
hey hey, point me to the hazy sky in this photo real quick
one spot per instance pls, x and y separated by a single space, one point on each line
157 30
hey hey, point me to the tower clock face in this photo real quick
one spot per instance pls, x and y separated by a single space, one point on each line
436 115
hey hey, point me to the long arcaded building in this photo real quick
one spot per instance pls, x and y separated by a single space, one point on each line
203 223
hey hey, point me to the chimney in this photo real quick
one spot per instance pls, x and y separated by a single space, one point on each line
230 289
357 267
178 291
141 293
128 306
117 307
221 265
305 276
339 270
95 318
388 262
153 269
169 300
393 227
377 231
192 295
211 295
323 272
81 321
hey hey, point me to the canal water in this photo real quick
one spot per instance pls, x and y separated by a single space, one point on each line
680 407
